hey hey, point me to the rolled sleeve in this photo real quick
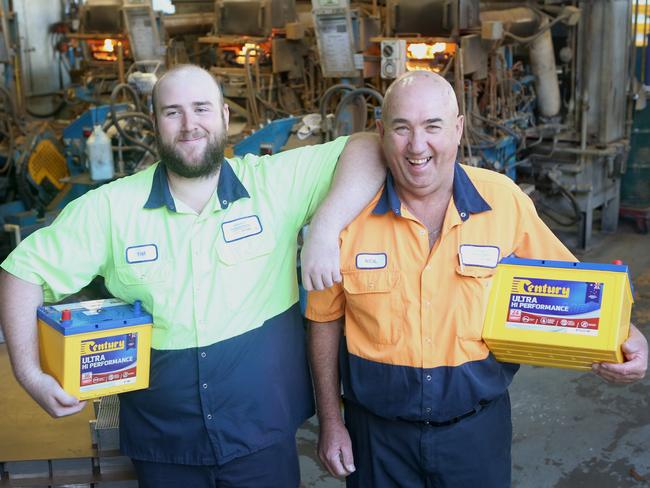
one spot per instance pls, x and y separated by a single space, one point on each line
65 256
326 305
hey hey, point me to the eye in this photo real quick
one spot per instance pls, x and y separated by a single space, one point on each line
401 129
171 113
202 109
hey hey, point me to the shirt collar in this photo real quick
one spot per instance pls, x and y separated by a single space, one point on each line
466 197
160 194
229 188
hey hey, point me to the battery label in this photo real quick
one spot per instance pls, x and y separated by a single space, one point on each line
569 307
109 361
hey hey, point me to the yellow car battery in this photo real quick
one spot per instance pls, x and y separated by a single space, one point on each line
556 313
96 348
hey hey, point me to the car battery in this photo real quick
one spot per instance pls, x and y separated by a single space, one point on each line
96 348
556 313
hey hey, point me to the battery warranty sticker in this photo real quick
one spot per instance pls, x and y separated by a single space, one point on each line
570 307
109 361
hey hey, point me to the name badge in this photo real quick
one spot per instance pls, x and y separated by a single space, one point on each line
371 260
141 254
235 230
484 256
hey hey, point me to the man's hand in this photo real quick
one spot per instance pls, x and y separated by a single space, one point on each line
635 350
319 260
335 449
50 396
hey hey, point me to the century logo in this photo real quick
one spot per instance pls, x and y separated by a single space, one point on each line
91 347
523 286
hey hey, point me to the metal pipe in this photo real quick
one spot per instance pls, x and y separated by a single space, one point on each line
542 61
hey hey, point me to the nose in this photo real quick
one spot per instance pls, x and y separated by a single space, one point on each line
189 121
417 141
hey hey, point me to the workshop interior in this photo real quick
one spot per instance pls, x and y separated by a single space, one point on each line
553 95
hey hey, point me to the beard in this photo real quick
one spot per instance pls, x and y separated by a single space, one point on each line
207 164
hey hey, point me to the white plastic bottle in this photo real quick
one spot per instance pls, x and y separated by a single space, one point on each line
100 155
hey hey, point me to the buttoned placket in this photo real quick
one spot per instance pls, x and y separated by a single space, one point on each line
427 285
199 268
427 318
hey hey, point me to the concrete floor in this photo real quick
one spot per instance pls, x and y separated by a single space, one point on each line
571 429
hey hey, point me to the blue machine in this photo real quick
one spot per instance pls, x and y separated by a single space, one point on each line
268 140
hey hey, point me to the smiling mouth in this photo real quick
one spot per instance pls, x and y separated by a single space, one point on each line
193 139
418 162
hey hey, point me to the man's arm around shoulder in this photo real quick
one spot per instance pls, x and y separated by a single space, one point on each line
360 172
19 300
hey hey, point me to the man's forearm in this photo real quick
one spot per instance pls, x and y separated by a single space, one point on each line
360 172
19 300
324 340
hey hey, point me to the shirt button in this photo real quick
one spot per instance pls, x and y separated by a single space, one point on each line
209 417
427 303
203 354
205 386
225 202
428 409
427 339
428 377
422 232
428 267
463 215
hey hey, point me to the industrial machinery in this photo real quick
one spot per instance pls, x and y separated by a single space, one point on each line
545 88
264 60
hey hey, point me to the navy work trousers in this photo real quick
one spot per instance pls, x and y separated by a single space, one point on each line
473 452
273 467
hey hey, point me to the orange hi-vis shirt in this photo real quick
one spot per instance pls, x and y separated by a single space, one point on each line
412 345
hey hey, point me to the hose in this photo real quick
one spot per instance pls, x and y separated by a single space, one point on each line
129 115
348 98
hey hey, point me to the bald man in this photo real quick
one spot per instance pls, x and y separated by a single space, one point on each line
209 247
425 403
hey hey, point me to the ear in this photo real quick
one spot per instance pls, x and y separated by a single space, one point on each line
226 116
380 128
154 121
460 123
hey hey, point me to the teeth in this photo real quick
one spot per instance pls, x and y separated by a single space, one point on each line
418 161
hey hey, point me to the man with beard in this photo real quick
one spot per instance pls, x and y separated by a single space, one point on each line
209 247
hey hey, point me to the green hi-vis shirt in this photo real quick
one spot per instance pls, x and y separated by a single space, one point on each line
204 278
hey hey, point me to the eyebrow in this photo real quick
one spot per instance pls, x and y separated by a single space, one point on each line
194 104
428 121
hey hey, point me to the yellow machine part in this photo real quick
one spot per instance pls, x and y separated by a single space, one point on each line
47 162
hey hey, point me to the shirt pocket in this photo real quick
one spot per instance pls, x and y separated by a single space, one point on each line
246 249
143 273
142 281
373 300
471 301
